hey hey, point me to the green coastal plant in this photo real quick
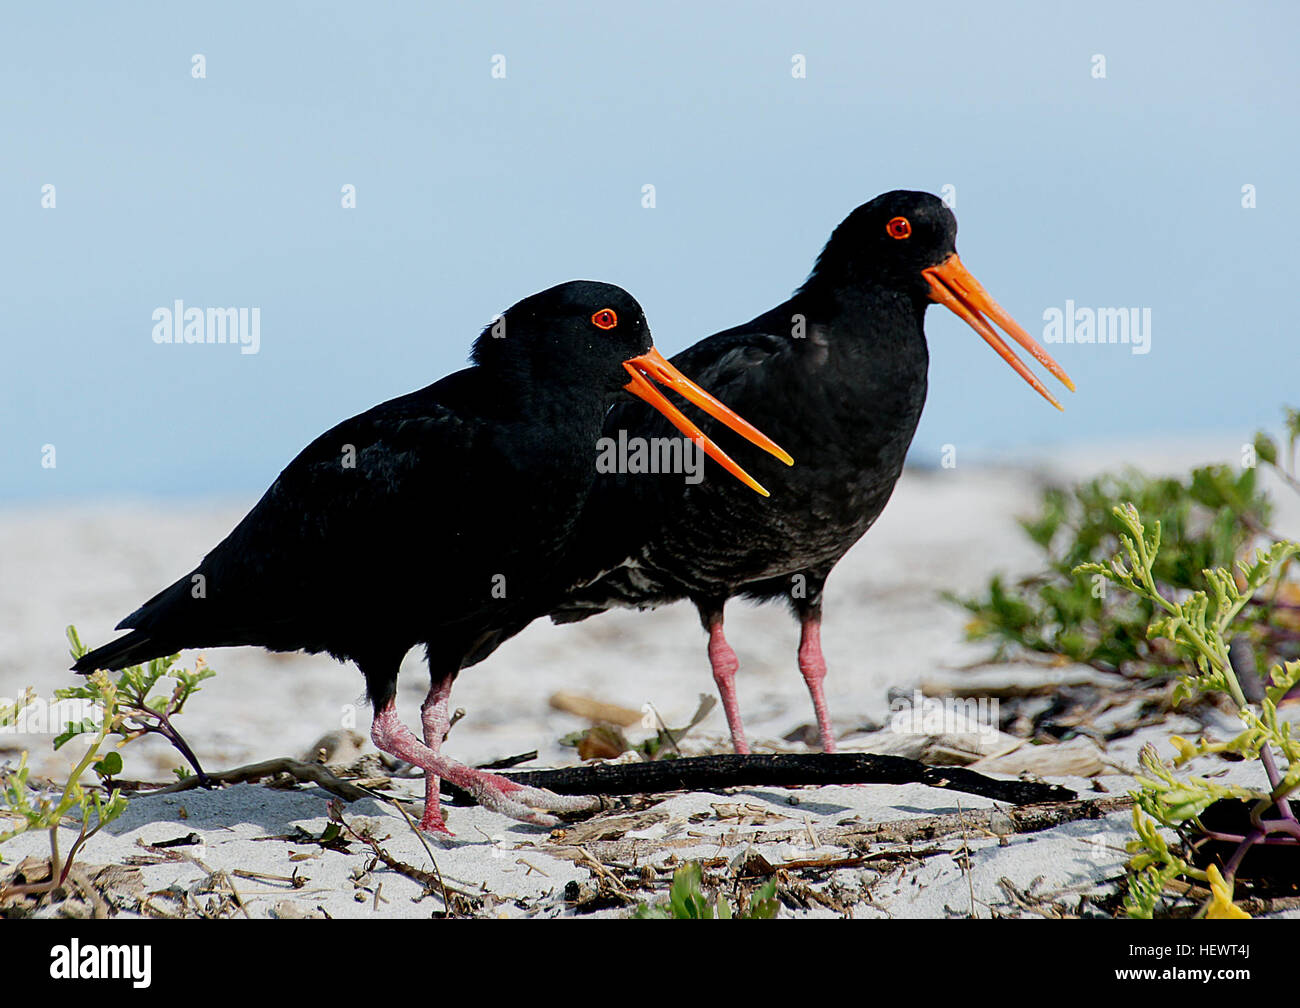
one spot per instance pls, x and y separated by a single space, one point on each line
686 900
140 711
1208 518
125 709
36 811
1200 626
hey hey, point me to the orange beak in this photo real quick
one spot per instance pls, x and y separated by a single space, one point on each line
952 286
653 365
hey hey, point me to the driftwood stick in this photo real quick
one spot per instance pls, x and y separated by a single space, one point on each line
707 773
308 773
698 773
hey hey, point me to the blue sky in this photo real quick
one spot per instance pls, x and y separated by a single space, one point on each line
473 192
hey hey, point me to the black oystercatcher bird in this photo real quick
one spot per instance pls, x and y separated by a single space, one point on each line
837 374
439 518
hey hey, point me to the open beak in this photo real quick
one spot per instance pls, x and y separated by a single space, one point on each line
952 286
653 365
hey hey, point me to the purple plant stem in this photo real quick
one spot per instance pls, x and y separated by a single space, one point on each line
167 731
1270 828
1249 841
1275 780
1288 826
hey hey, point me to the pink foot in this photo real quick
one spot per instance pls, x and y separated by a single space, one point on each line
434 823
492 791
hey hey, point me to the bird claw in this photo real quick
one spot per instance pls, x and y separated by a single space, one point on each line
527 804
432 822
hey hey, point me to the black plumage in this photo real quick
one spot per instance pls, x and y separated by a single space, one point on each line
441 518
837 374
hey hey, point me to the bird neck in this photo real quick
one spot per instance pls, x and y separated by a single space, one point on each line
551 432
855 326
566 409
863 350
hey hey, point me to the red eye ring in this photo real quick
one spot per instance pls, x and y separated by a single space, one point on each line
899 227
606 318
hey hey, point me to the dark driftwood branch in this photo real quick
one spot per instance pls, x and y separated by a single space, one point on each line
707 773
698 773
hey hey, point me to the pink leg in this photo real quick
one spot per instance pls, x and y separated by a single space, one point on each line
433 716
489 790
813 667
725 664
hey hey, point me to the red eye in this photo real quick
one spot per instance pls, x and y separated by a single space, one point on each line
899 227
604 319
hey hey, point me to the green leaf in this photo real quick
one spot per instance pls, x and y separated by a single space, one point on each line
763 904
75 728
74 643
685 898
1266 448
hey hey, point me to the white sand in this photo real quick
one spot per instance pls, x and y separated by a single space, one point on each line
885 627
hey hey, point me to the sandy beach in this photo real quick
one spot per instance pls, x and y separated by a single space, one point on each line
886 629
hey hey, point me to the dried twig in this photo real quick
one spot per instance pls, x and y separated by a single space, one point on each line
308 773
991 822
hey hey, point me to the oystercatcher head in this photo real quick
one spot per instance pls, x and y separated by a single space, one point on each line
554 339
906 242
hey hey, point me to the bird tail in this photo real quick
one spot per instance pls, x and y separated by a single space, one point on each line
155 633
136 647
575 613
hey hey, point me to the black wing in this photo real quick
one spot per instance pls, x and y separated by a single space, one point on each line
344 536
